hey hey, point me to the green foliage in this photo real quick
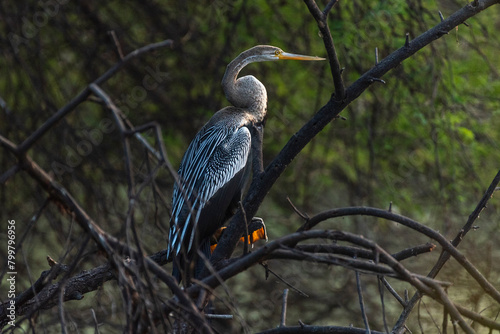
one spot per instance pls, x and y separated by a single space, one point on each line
427 140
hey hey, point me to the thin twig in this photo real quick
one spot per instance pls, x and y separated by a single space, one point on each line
382 302
308 329
321 19
329 6
283 308
82 96
441 16
219 316
245 243
96 325
268 270
362 303
407 40
119 117
9 173
414 251
363 253
392 291
61 310
297 211
117 43
452 310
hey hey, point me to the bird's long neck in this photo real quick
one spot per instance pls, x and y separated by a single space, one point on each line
246 92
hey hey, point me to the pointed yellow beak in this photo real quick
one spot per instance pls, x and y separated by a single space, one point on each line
286 55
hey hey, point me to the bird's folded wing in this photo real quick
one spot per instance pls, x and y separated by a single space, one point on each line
214 157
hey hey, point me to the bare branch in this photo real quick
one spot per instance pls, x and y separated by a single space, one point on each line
10 172
445 255
362 253
329 6
297 211
283 308
447 246
112 33
268 270
321 19
306 329
362 303
82 96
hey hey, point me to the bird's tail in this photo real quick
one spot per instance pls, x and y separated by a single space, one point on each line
201 261
182 266
176 272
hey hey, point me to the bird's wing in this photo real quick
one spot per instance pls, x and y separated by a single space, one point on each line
213 158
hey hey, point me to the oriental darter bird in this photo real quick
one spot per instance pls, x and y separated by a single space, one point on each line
217 163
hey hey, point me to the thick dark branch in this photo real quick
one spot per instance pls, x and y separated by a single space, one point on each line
257 159
250 259
74 289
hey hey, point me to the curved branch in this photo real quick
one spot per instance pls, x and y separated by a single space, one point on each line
444 257
447 246
364 266
468 225
362 253
306 329
82 96
260 254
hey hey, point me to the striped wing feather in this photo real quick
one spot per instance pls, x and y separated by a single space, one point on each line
209 171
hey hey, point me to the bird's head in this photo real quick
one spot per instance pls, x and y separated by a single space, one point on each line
248 92
271 53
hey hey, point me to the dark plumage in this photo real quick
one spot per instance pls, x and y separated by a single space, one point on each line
215 167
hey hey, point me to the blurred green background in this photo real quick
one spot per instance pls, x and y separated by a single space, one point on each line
427 141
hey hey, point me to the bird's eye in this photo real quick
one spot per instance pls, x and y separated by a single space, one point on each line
277 52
